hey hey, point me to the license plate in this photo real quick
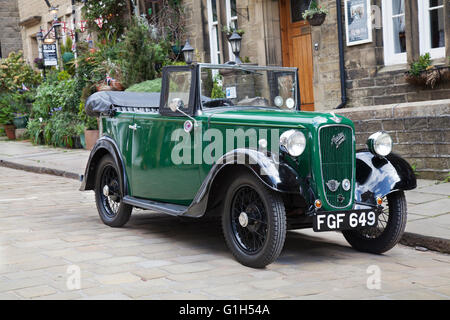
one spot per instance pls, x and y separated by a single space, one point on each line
344 220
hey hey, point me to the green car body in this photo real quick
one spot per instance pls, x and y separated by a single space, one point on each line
141 142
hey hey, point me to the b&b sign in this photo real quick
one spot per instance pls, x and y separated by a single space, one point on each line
49 54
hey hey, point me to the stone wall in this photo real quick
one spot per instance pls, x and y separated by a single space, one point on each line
420 132
10 39
35 14
369 82
260 19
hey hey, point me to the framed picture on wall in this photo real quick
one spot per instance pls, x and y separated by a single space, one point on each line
358 22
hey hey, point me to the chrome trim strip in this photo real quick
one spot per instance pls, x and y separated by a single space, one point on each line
352 192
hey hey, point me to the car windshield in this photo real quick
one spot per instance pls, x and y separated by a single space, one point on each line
248 86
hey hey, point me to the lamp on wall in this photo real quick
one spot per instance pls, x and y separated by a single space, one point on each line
54 11
235 41
188 52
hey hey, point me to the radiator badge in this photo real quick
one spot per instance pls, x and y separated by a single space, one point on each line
338 139
333 185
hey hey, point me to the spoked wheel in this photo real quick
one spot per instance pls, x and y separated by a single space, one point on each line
249 220
111 209
253 222
388 231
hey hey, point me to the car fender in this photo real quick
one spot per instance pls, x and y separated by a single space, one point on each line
104 145
276 175
378 176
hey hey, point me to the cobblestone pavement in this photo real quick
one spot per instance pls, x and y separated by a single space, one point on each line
48 229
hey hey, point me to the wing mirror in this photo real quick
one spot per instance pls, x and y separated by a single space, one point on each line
176 104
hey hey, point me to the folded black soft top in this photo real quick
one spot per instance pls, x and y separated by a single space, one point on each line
103 102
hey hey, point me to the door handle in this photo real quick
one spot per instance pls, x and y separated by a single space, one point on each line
133 127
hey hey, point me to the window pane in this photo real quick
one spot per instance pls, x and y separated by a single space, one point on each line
399 34
297 9
437 28
398 7
233 8
179 86
435 3
214 10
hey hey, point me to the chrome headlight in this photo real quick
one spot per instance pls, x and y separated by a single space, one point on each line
380 143
294 142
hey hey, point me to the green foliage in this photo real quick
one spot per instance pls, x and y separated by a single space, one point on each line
35 130
314 8
66 47
90 123
228 30
63 76
56 96
112 13
61 129
147 86
12 105
447 179
14 72
217 91
141 53
417 67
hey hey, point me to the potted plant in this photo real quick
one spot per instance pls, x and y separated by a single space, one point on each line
315 14
6 120
8 107
423 73
228 30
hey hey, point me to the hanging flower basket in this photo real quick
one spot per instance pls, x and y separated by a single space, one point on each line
317 19
429 77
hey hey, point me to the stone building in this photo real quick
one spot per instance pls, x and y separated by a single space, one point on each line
367 78
35 15
350 60
276 34
10 39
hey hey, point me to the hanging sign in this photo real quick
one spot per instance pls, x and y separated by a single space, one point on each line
358 22
49 54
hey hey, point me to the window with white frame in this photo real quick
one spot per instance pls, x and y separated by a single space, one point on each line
213 25
232 19
394 31
431 27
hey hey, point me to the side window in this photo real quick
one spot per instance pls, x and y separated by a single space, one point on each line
177 86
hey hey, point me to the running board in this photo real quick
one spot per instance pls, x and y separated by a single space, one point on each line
168 208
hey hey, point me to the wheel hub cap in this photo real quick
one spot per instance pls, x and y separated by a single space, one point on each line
243 219
106 191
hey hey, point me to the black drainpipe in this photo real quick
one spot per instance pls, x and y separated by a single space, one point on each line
341 55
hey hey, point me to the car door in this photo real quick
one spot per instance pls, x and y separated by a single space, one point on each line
156 173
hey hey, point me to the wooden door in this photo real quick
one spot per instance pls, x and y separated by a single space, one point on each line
297 48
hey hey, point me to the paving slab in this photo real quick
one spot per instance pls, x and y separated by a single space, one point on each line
39 243
25 153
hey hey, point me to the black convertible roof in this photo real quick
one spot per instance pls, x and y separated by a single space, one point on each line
103 102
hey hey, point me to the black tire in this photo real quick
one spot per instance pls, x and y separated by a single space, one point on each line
111 209
388 232
266 221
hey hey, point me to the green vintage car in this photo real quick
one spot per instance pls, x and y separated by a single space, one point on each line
230 140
